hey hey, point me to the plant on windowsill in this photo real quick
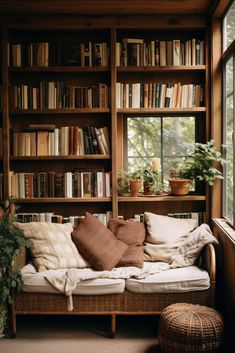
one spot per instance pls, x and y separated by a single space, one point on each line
11 242
152 181
123 183
135 181
200 166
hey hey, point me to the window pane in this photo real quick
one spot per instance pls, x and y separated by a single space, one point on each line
229 27
168 138
228 181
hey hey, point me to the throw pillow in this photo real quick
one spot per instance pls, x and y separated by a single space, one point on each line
98 244
164 235
52 245
133 234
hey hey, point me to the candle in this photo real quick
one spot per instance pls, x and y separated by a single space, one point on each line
156 164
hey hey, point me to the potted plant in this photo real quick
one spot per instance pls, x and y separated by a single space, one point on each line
11 242
135 181
152 180
200 165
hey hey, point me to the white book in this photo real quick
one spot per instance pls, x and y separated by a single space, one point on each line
107 185
56 142
118 95
100 188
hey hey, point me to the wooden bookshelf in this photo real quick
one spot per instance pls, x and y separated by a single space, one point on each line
110 30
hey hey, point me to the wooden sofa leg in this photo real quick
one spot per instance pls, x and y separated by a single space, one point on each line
113 325
13 323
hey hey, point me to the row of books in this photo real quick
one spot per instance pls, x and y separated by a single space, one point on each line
45 54
54 218
58 95
63 141
54 184
199 216
158 95
137 52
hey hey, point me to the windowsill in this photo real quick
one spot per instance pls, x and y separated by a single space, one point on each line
223 225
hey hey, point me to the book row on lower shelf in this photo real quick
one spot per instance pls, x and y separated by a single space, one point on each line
59 95
47 140
54 218
53 184
158 95
102 217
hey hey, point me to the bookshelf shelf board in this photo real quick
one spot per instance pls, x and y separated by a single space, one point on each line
162 198
68 69
64 199
160 110
35 158
160 68
62 111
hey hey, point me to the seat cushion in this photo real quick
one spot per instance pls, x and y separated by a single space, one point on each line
34 281
185 279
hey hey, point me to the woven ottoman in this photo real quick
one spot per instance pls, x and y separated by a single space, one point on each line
190 328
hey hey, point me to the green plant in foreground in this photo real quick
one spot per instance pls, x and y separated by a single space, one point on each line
201 164
11 241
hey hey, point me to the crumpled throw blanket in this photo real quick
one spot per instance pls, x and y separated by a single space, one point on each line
66 280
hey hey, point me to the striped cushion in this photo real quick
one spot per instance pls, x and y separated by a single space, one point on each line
52 245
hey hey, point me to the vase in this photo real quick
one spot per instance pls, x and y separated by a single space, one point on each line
180 187
135 186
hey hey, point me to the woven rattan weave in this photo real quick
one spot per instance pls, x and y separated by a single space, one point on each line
185 328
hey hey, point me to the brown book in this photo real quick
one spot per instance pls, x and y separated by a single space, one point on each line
76 141
58 182
105 138
71 140
51 184
42 143
29 185
33 144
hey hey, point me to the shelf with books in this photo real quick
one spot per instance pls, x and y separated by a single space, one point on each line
36 158
64 199
165 69
61 111
162 198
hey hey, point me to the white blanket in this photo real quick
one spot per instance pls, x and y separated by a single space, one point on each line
66 280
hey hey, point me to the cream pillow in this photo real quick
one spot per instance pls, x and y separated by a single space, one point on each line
164 234
52 246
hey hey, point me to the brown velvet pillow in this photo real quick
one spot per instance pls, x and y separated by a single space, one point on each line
98 244
133 234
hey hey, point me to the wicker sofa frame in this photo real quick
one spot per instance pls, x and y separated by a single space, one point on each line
126 303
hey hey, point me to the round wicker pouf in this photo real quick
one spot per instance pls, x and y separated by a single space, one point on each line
190 328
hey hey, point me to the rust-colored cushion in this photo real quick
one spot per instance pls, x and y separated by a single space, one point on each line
133 234
98 244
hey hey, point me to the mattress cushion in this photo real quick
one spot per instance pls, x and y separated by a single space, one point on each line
185 279
36 282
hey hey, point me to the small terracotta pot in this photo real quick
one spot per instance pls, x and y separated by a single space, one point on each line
135 186
180 187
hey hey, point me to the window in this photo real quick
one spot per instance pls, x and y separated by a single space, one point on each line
228 113
168 138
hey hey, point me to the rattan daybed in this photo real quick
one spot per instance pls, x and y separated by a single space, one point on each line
126 303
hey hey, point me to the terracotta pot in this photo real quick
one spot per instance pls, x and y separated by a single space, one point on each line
135 186
180 187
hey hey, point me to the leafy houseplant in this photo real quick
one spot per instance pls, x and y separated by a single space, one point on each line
200 165
152 181
11 241
135 180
